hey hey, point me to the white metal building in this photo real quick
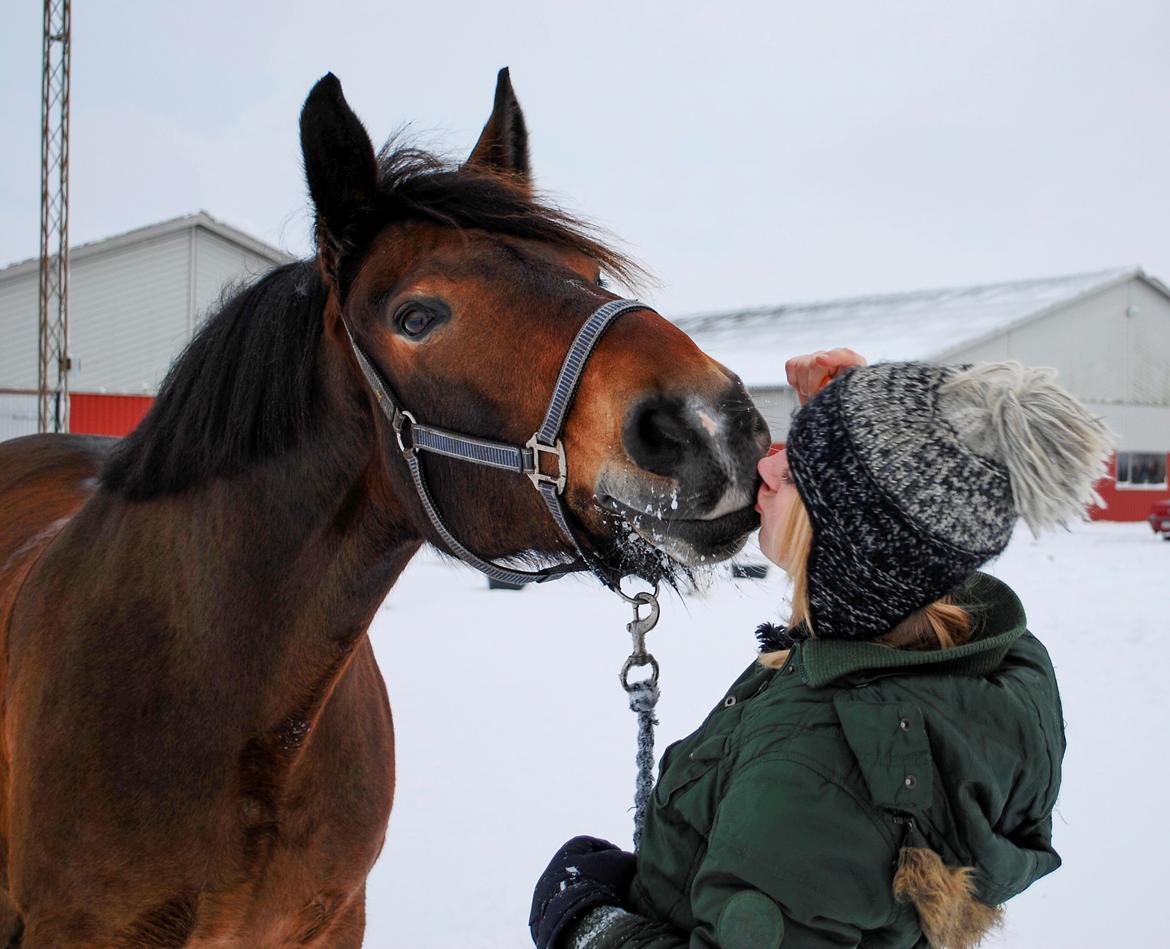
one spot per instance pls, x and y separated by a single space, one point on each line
1107 333
135 301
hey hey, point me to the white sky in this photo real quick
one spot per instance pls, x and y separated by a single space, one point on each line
748 153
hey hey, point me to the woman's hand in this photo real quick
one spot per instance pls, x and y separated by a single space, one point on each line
810 373
585 872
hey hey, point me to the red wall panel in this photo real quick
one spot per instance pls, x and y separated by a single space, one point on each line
93 414
1124 504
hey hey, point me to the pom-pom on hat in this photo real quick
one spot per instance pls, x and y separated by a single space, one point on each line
914 475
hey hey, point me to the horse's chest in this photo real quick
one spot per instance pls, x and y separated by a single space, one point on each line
297 903
304 869
309 857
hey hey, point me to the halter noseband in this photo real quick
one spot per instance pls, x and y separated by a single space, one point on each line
414 437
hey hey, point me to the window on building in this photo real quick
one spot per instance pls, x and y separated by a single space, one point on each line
1141 469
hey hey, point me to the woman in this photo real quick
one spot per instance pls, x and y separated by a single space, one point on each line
884 774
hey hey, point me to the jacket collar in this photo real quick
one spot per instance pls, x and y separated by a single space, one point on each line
999 621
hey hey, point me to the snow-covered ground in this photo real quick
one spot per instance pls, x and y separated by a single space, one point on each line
513 734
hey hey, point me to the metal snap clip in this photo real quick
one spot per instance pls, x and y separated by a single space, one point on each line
729 701
911 782
638 627
904 724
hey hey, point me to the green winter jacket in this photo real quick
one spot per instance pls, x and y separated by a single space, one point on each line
781 821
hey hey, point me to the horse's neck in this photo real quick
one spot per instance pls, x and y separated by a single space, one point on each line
280 569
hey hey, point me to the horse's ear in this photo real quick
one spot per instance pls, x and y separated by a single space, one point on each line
503 143
340 165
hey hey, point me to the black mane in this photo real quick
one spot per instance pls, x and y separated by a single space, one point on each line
244 389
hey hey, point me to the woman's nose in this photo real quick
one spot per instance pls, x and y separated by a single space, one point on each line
768 463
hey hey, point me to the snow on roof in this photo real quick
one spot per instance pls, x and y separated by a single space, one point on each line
150 232
922 324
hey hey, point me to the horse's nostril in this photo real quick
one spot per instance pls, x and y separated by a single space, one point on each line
658 426
658 436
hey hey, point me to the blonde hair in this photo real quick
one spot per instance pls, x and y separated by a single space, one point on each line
942 624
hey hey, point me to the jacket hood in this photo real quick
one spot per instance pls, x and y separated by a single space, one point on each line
998 618
963 744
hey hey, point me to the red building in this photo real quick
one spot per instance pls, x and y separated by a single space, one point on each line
1136 480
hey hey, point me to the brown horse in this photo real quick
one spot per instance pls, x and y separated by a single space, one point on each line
197 745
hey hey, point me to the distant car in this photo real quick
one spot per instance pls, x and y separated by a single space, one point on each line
1160 518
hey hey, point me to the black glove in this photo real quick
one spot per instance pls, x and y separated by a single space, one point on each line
585 872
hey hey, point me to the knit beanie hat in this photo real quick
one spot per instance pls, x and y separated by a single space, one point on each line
914 475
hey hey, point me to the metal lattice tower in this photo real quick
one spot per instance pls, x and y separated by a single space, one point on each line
53 368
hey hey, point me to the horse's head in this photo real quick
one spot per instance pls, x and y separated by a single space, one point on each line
466 293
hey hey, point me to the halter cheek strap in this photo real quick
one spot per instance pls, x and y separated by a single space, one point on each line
414 437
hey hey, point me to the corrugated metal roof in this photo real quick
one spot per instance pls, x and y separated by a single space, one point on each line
922 324
152 232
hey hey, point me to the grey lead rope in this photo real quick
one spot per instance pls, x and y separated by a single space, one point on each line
643 699
643 696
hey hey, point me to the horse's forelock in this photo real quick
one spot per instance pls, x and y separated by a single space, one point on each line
418 184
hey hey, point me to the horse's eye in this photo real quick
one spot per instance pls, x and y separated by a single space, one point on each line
414 321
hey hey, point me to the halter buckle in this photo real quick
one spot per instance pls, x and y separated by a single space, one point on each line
400 423
537 476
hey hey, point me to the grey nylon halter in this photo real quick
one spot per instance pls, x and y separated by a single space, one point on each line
414 437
